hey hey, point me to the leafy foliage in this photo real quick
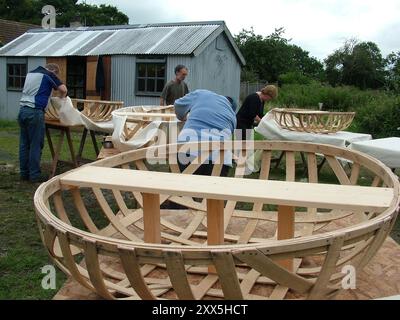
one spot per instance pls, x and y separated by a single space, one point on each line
357 63
29 11
271 56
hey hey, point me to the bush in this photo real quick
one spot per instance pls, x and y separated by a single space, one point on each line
381 117
377 111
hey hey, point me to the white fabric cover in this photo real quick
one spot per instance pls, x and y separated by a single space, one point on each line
142 137
67 114
386 150
271 130
105 126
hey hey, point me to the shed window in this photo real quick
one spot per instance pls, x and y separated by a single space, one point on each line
150 76
16 74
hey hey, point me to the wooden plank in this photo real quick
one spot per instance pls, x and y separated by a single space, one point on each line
221 188
215 224
151 217
286 230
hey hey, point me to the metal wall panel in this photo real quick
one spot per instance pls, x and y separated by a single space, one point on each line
9 100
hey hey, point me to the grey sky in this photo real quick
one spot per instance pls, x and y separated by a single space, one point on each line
319 27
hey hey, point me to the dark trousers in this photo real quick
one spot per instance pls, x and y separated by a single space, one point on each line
241 128
31 122
205 169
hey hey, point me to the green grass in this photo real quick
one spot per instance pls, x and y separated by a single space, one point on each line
22 254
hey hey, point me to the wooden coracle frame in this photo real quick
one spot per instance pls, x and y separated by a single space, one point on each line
138 119
312 121
239 238
95 110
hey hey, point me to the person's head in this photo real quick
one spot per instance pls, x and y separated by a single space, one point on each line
269 92
53 67
233 103
181 72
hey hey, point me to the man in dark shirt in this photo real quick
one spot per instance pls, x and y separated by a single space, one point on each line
176 88
39 84
252 109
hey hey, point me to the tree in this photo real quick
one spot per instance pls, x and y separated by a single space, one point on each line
30 11
357 63
392 62
271 56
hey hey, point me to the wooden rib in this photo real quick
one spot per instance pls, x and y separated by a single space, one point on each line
93 268
355 173
249 280
132 269
120 202
151 217
111 217
59 205
376 243
264 174
177 274
225 267
230 204
109 230
201 289
338 170
257 260
69 260
318 291
312 168
376 181
290 166
280 291
80 205
192 227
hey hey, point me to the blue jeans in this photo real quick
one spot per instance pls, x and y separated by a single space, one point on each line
31 122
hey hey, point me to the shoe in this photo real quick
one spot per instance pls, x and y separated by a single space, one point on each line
24 178
41 178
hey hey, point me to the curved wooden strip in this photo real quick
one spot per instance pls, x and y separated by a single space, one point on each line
225 267
319 289
177 274
80 205
93 267
133 272
257 260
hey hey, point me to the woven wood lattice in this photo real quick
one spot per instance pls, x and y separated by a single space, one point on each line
312 121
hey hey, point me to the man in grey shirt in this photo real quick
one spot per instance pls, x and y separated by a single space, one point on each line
176 88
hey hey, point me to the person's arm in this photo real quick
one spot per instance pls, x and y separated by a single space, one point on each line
183 106
62 91
164 94
162 101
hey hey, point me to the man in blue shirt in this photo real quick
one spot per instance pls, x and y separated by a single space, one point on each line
39 84
212 118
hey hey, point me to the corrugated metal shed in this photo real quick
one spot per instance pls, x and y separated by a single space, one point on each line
167 39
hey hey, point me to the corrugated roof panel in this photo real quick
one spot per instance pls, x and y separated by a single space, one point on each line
184 40
93 43
146 39
18 44
81 38
44 44
120 42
